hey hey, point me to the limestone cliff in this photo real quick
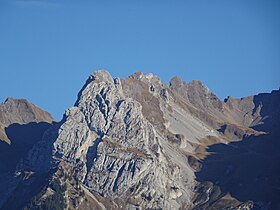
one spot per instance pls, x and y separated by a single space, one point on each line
137 143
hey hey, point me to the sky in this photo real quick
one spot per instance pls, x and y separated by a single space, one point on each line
48 48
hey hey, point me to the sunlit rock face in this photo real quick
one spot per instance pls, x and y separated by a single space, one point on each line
137 143
116 152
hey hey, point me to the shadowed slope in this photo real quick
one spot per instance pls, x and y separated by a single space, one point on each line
249 169
22 137
22 124
20 111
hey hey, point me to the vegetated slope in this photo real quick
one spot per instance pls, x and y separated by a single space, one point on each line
137 143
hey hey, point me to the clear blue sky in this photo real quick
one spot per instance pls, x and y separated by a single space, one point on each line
48 48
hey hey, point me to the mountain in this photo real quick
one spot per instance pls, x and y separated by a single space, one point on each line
20 111
137 143
22 124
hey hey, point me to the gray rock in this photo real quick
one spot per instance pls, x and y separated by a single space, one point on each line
129 142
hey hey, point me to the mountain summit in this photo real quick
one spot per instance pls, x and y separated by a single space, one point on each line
22 124
20 111
137 143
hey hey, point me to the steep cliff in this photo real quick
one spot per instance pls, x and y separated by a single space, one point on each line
137 143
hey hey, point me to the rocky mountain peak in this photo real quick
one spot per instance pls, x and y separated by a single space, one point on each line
20 111
115 150
146 78
137 143
101 76
196 93
137 75
9 100
197 84
176 82
22 124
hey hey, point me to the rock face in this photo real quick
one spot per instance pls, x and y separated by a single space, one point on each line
137 143
117 153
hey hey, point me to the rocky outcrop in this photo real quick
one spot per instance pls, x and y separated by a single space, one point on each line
137 143
197 94
119 154
115 151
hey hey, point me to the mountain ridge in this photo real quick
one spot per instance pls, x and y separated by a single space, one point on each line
20 111
137 143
